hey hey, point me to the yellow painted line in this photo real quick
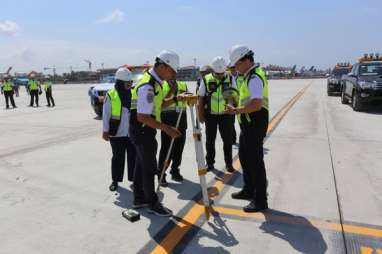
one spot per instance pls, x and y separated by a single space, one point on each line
352 229
193 215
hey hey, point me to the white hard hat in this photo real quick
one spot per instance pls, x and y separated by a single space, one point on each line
123 74
219 65
170 58
237 52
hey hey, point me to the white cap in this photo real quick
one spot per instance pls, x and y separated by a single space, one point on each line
236 53
170 58
123 74
33 75
219 65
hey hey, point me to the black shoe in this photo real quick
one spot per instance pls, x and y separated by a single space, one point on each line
113 186
242 195
230 169
7 107
48 105
177 177
159 210
253 208
164 182
210 168
139 204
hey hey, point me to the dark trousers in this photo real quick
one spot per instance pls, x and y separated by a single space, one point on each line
171 118
224 123
145 166
9 96
251 155
122 146
49 98
234 135
34 97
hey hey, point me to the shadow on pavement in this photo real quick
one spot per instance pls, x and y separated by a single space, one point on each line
217 231
296 230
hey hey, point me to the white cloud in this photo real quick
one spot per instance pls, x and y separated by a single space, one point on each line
116 16
8 27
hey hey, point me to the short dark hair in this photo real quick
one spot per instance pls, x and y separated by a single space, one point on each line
248 56
158 62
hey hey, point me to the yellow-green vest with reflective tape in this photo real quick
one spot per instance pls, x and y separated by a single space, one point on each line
33 85
116 105
181 87
245 96
214 93
147 79
47 85
7 86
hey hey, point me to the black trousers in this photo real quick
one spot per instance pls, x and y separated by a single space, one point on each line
122 146
49 98
34 97
146 166
224 123
170 118
234 135
9 97
251 155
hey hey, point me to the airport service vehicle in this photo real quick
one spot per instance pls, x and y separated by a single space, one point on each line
335 78
363 85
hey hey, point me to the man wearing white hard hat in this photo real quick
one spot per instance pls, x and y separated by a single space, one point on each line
115 118
253 117
211 108
147 101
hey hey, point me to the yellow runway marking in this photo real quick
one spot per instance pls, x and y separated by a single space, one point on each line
193 215
352 229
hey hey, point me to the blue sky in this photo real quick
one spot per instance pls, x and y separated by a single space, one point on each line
39 33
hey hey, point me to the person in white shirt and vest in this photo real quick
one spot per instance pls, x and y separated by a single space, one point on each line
7 90
116 117
48 92
147 102
34 90
211 108
253 117
173 88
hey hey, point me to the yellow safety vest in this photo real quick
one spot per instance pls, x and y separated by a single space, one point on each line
7 86
47 85
116 105
245 96
214 93
181 87
33 85
147 79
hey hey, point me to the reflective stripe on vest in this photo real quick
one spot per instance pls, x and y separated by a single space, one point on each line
181 88
245 96
7 86
216 103
116 105
147 79
33 85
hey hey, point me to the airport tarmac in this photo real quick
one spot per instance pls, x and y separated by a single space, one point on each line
323 160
